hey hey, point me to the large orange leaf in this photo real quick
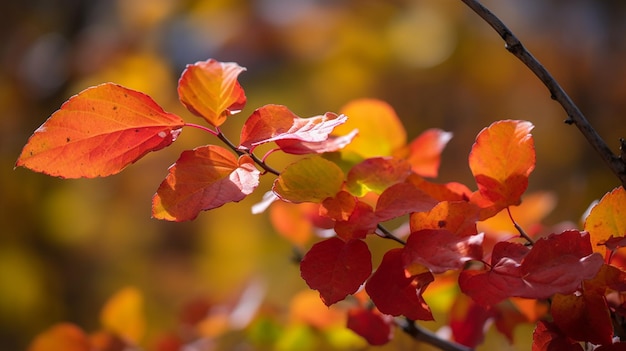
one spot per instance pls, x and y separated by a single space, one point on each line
63 336
201 179
380 130
501 161
607 219
99 132
210 89
309 180
123 315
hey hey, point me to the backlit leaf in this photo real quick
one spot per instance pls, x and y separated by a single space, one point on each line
501 160
309 180
424 152
332 144
441 250
376 174
443 192
99 132
209 89
291 133
375 327
556 264
583 317
123 315
607 219
336 268
63 336
456 216
400 199
201 179
395 293
380 130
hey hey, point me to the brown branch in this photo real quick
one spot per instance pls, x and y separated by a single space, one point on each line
420 334
616 163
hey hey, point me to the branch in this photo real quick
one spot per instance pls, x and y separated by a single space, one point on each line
616 163
420 334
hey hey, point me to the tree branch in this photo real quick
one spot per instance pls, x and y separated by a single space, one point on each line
616 163
418 333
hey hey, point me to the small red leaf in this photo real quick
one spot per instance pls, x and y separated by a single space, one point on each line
376 174
583 317
201 179
424 152
396 294
277 123
548 337
556 264
209 89
501 160
468 320
309 180
400 199
373 326
98 133
441 250
336 268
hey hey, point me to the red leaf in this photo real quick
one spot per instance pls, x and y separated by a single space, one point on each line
376 174
201 179
556 264
309 180
395 293
63 336
99 132
442 192
467 321
424 152
361 221
583 317
209 89
277 123
441 250
401 199
547 337
339 207
336 268
501 160
373 326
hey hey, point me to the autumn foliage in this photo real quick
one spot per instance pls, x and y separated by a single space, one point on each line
355 172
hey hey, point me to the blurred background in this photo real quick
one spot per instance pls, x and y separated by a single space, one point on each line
67 245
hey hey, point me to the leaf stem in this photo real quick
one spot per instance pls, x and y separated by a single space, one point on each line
418 333
239 152
385 233
615 163
520 229
201 127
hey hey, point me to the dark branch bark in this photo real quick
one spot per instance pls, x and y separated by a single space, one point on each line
424 335
617 164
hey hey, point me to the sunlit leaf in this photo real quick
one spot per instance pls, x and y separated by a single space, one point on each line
209 89
455 216
376 174
443 192
63 336
501 160
607 219
291 133
424 152
361 221
396 294
380 130
99 132
307 308
309 180
556 264
123 315
202 179
336 268
375 327
441 250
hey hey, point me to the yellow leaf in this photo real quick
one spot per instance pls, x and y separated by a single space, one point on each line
123 314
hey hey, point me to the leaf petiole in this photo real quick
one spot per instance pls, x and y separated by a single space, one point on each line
519 229
201 127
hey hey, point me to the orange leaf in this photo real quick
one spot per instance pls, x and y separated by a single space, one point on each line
209 89
424 152
456 216
380 130
99 132
309 180
501 161
63 336
607 219
376 174
204 178
123 315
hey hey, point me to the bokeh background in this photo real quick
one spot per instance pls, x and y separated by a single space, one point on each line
67 245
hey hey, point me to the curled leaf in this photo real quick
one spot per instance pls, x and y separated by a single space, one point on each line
99 132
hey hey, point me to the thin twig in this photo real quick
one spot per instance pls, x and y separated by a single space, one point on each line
520 229
239 152
418 333
385 233
514 46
